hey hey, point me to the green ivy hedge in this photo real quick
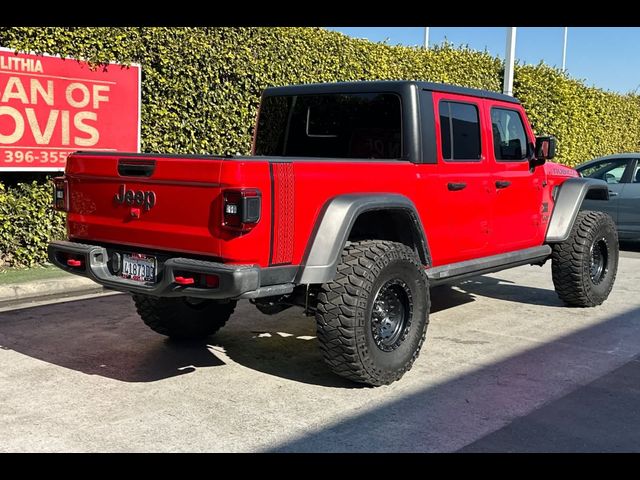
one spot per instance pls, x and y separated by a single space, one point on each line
27 223
201 87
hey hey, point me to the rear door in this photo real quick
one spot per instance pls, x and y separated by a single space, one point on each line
629 205
460 191
516 219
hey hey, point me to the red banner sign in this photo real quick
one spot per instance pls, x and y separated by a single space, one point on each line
51 107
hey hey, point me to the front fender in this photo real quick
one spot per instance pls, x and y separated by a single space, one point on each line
567 205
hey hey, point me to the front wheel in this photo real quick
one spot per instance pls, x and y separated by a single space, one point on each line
372 319
584 266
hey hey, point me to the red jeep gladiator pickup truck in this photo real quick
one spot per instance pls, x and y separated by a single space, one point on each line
357 198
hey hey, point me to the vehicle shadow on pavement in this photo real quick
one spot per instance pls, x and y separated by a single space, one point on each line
576 393
501 289
629 246
104 336
445 297
285 344
95 337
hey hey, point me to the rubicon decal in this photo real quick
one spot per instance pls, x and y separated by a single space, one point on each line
135 197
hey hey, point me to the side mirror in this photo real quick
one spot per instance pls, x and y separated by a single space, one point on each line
545 148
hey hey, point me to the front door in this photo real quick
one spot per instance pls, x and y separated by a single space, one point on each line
518 190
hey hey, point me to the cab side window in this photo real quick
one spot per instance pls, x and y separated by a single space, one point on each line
509 136
459 131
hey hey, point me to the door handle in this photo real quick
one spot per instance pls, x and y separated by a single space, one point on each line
612 193
502 183
456 186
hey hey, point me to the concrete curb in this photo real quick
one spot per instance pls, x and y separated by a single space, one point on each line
18 293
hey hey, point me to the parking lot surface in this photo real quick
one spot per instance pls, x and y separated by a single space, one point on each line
505 367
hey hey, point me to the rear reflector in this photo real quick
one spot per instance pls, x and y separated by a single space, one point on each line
197 280
72 262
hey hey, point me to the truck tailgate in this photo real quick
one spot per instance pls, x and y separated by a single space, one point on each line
162 202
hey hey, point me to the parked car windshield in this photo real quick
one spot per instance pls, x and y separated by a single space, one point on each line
356 125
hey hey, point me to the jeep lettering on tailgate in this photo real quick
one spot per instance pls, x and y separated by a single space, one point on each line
135 197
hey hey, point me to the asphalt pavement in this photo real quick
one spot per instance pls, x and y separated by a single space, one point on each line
505 367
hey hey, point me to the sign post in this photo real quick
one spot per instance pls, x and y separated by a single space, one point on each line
509 60
51 107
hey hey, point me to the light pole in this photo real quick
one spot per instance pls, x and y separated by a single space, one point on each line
426 38
564 49
509 61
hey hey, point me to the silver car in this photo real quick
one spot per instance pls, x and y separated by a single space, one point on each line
622 173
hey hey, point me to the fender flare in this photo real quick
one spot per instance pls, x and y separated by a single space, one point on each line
568 201
334 224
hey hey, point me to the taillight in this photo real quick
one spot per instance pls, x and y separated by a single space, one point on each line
241 209
61 194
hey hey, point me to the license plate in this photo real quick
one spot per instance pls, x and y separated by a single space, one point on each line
138 267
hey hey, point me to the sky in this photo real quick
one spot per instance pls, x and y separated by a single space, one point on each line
605 57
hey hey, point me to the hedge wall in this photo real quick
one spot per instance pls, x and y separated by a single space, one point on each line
27 223
201 87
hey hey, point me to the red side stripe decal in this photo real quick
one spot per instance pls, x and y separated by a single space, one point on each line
283 213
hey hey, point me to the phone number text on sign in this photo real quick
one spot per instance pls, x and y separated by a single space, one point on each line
36 156
51 107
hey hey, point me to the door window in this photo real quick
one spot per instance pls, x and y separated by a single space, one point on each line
460 131
611 171
509 136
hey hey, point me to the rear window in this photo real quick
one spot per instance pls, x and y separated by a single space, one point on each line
460 131
356 125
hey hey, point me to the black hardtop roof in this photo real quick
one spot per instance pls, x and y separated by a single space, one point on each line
384 85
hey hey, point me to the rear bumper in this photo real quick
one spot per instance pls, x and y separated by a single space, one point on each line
236 281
